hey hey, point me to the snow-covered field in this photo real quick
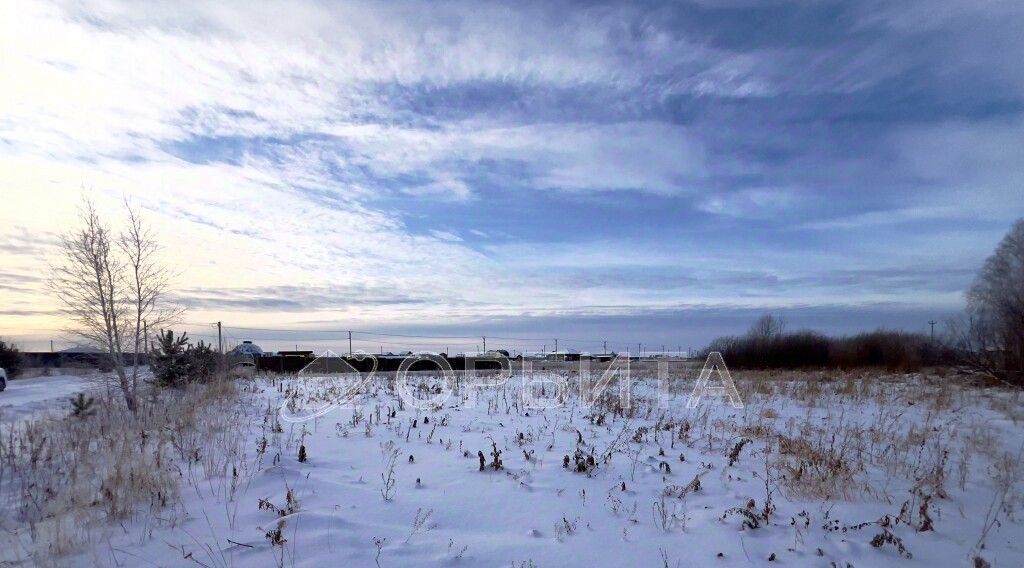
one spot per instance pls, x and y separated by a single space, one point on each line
815 470
24 397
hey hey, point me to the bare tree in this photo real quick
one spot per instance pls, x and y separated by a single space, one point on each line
974 342
990 337
112 288
147 282
767 327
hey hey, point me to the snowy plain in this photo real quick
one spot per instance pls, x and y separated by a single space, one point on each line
24 397
809 472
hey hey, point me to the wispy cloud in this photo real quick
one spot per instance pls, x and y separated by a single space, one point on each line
420 162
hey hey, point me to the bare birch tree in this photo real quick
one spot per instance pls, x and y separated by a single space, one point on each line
146 283
111 289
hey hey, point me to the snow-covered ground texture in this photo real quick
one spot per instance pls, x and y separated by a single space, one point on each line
24 397
815 470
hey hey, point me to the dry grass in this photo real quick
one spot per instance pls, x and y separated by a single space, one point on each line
899 439
63 475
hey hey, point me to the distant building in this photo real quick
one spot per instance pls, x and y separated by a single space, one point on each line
79 356
300 354
565 355
247 349
82 350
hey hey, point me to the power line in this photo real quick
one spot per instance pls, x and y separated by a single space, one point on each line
537 340
521 343
345 331
404 335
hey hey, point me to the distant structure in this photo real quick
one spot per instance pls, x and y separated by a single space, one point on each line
296 354
76 357
247 349
563 355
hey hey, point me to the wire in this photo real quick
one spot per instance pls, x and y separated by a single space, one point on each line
368 337
355 331
535 340
412 336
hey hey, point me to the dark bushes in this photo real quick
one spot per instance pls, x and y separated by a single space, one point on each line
786 350
10 359
892 350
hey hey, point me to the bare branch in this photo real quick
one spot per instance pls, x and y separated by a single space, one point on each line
111 289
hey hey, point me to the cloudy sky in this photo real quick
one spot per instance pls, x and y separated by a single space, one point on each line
637 172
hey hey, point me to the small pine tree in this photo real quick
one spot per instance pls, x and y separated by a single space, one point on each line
82 406
176 363
202 362
169 361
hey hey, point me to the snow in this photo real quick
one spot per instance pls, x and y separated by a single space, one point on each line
534 512
24 397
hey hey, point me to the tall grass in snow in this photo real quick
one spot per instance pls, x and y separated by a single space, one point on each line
63 475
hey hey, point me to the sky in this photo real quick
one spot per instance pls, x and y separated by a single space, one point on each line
635 172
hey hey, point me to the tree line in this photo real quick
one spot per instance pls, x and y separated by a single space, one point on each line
988 338
767 345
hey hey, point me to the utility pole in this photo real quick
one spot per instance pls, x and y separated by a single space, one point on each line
350 344
220 340
662 349
639 350
605 348
51 346
932 324
556 345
